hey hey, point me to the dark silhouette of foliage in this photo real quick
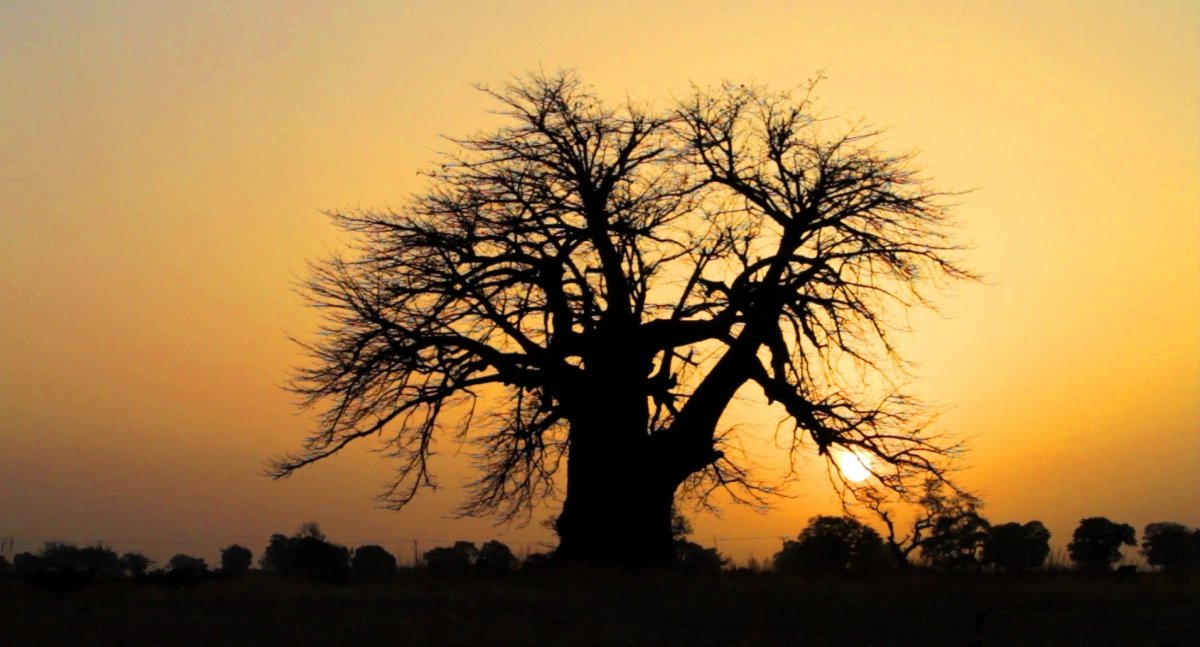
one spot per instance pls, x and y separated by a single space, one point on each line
274 558
372 563
1096 543
681 527
536 563
451 561
495 558
693 557
1171 546
607 280
1012 547
939 507
831 545
307 555
236 560
187 566
956 541
26 565
136 564
98 561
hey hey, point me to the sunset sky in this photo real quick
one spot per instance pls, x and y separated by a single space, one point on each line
164 166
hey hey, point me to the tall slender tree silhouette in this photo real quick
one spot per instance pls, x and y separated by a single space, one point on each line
589 288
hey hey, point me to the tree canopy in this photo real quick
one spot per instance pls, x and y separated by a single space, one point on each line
832 545
1171 546
1096 543
1014 547
589 287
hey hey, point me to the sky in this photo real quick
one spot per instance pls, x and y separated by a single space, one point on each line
164 167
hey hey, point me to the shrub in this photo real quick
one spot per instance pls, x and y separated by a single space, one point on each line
236 560
372 563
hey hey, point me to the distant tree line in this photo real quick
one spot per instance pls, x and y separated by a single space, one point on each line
949 535
964 541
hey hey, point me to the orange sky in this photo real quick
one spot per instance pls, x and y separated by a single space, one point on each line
163 166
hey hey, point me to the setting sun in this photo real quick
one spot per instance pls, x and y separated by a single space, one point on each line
854 468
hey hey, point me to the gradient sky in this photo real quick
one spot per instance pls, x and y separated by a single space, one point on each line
163 166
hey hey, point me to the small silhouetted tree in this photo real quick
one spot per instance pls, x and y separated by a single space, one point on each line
495 558
236 560
956 541
608 280
830 545
1096 543
275 558
372 562
136 564
693 557
451 561
4 565
937 507
1171 546
26 565
95 561
308 555
1012 547
187 566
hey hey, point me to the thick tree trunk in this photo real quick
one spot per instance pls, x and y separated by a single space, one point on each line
614 516
617 510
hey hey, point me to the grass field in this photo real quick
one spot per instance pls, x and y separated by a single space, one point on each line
608 609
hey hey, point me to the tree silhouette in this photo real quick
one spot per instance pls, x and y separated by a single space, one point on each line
26 565
236 560
1172 546
495 558
307 554
372 562
451 561
956 542
1013 547
186 567
831 545
136 564
97 561
588 288
693 557
940 510
1096 544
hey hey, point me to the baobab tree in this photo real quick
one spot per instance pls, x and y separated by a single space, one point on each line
588 288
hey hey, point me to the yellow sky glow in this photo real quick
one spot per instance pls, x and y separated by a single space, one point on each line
163 166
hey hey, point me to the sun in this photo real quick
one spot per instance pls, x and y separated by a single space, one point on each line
853 466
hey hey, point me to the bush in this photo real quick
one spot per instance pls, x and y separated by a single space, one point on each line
307 555
236 560
1096 544
831 545
1171 546
495 558
1013 547
694 558
136 564
372 563
186 566
454 561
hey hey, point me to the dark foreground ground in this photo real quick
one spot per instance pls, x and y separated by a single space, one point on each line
748 609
